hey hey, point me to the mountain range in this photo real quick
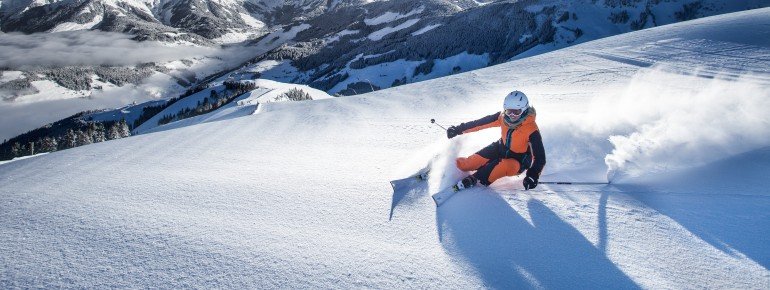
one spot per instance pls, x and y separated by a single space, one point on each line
339 47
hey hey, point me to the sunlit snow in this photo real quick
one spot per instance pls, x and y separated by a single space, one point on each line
298 194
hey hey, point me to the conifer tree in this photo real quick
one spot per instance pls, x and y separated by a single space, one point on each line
123 129
16 149
83 138
48 144
69 140
114 132
98 135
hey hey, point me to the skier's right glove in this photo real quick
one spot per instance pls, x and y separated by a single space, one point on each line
530 182
452 131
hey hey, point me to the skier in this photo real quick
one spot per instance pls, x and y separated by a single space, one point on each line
519 143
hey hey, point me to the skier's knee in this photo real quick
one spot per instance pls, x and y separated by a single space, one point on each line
473 162
463 164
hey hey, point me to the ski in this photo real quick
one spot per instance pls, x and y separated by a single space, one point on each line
421 175
404 185
402 188
573 182
442 196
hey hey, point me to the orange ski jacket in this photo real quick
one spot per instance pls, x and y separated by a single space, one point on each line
524 138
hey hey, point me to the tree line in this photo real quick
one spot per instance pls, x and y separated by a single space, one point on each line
211 103
73 131
294 94
77 130
68 133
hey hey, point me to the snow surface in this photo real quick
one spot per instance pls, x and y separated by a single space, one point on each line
425 29
240 35
392 16
245 104
70 26
251 21
234 37
337 36
297 195
278 70
9 75
46 89
384 74
379 34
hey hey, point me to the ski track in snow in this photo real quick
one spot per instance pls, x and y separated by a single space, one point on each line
297 196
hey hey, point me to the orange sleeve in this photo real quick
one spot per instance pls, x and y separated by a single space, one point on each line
485 122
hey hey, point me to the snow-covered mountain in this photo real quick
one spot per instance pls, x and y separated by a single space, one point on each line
340 47
297 194
357 49
169 20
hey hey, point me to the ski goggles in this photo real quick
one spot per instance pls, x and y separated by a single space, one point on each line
514 112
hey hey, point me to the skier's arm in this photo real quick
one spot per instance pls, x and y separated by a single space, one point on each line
480 124
538 152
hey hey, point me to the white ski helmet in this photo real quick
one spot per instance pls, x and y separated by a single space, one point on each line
516 100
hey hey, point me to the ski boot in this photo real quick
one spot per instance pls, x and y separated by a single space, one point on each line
467 182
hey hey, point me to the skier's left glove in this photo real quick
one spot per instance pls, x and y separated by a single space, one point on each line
452 132
530 182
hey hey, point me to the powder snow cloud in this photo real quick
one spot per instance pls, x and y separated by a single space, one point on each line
675 127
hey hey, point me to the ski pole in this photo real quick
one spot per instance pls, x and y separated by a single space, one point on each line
437 124
572 183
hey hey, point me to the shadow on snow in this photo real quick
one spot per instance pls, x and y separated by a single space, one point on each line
406 191
725 203
509 252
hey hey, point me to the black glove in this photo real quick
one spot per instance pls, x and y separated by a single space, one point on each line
452 131
530 182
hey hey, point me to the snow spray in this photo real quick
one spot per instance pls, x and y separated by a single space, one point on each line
665 121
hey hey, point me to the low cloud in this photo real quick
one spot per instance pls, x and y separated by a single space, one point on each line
86 48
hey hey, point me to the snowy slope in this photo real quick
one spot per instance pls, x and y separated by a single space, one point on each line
297 195
267 91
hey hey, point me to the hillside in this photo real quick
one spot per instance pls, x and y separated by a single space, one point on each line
296 195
